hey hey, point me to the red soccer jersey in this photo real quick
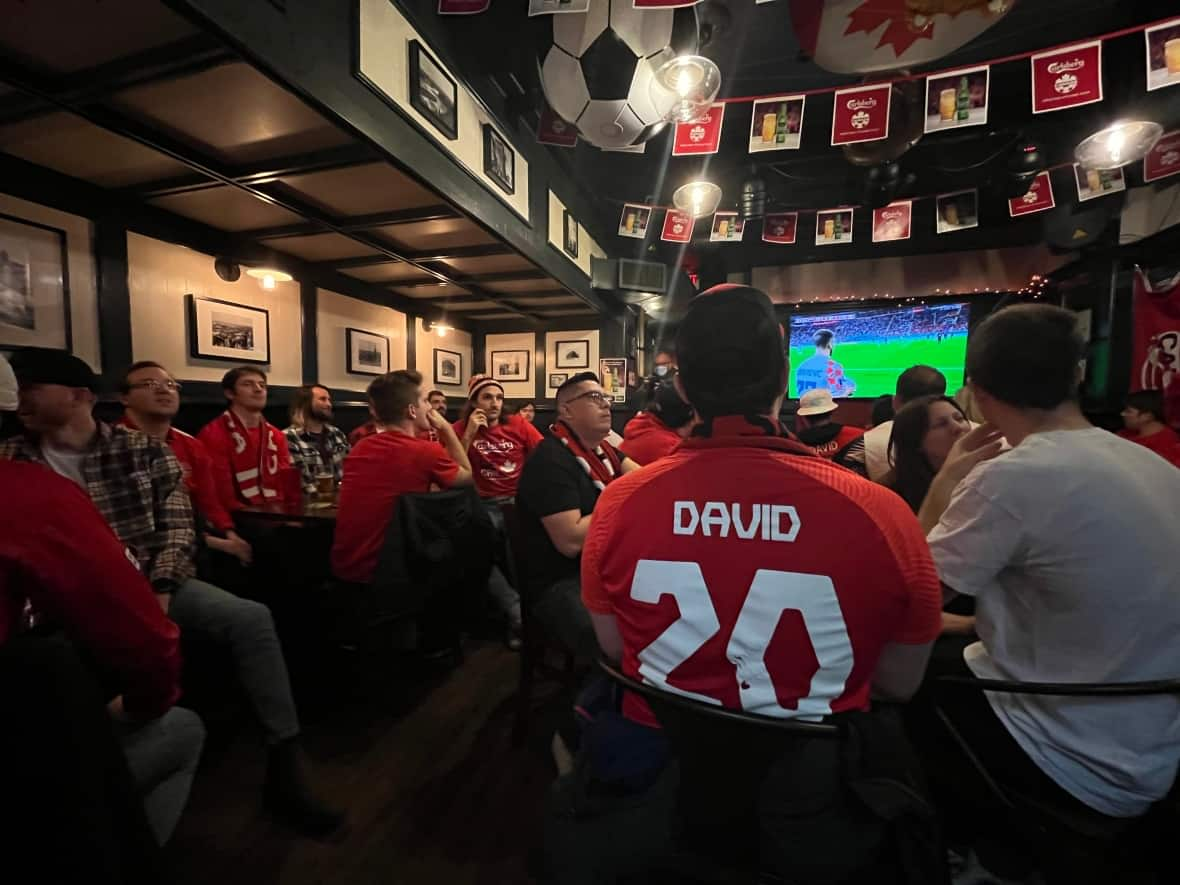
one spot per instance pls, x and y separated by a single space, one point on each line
1165 443
367 429
378 471
497 455
215 437
775 594
646 438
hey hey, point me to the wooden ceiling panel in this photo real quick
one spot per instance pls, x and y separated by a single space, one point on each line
444 233
571 312
388 272
542 285
227 208
500 315
425 292
362 190
262 121
320 247
71 145
474 267
469 305
547 300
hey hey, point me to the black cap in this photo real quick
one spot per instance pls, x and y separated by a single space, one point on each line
47 365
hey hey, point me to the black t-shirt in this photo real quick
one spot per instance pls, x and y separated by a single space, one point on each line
552 482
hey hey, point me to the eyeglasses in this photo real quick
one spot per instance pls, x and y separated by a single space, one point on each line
595 396
155 385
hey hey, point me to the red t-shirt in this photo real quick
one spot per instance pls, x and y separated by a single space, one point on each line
646 438
498 453
380 469
367 429
1165 443
745 593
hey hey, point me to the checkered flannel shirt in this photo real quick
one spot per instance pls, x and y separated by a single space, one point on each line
305 454
138 486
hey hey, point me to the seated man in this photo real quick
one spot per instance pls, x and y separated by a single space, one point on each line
138 486
389 464
868 454
659 428
438 401
817 430
317 446
496 444
1143 420
1068 544
558 489
248 451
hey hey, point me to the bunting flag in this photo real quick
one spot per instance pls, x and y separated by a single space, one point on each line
635 220
1163 54
892 222
1067 78
833 227
861 114
727 228
664 4
956 211
699 137
1163 159
780 228
462 7
1098 182
1038 199
677 227
553 130
777 123
957 98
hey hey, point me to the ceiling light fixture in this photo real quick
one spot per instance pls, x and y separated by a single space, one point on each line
1126 141
269 276
438 328
697 198
753 198
684 87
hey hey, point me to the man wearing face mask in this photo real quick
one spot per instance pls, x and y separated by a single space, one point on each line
665 365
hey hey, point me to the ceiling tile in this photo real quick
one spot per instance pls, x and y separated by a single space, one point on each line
541 285
227 208
444 233
439 291
320 247
362 190
547 300
388 271
490 264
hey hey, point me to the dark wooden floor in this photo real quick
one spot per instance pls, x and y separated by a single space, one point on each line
435 790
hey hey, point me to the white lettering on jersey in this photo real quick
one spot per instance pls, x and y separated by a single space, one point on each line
771 593
717 518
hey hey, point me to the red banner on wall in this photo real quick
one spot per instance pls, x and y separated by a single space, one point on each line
780 228
677 227
1163 159
1038 199
701 136
1155 356
554 130
861 114
1067 78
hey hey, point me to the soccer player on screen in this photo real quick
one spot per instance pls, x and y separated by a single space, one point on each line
821 371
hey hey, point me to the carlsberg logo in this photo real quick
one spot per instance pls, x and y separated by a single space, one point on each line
716 519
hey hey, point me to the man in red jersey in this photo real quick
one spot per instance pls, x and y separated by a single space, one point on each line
659 428
816 428
391 463
1143 420
496 444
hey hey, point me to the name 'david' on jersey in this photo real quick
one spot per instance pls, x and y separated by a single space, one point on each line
766 522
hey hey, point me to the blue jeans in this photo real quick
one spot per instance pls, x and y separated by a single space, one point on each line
162 755
249 630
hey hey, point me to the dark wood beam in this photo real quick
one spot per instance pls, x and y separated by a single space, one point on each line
482 251
507 276
357 222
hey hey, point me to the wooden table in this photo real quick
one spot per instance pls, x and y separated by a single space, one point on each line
311 511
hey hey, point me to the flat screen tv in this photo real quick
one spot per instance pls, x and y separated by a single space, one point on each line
860 351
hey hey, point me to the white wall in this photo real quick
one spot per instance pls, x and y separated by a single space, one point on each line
456 341
385 35
161 274
80 263
551 339
526 341
335 314
586 246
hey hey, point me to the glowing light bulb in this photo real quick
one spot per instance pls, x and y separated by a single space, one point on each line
442 331
268 281
1115 143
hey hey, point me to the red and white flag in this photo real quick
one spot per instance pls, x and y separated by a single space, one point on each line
892 222
1067 78
677 227
701 136
1038 199
780 228
554 130
861 114
1163 159
1155 353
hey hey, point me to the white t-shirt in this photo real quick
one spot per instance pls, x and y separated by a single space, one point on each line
1070 543
65 463
877 450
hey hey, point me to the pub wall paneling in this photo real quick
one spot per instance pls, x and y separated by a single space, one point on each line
334 315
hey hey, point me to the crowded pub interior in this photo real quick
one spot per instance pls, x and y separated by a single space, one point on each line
590 442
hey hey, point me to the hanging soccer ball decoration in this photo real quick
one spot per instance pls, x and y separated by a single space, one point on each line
597 67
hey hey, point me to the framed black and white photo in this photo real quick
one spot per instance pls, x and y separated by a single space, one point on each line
433 94
556 379
570 227
572 354
510 365
222 330
368 352
499 160
34 285
448 367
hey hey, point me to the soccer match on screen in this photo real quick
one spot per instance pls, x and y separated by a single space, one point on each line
860 352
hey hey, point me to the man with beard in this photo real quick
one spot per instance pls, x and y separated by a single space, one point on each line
317 445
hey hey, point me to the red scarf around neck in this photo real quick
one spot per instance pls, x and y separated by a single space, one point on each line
256 471
603 465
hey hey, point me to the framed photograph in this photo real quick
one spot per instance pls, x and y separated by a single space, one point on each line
34 285
510 365
432 93
448 367
499 160
572 354
368 352
571 234
222 330
557 379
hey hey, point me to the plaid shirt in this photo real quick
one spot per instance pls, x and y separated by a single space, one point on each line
138 486
305 453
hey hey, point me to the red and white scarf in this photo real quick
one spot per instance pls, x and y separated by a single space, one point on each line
255 472
603 465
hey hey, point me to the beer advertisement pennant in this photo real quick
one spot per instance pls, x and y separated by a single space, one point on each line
701 136
833 227
1163 54
1098 182
777 123
1038 199
893 222
780 228
677 227
554 130
1067 78
462 7
861 114
727 228
955 99
1163 159
635 220
956 211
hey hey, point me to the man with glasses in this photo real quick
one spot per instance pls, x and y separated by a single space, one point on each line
558 489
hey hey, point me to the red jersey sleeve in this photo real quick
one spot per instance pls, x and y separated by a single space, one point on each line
217 445
594 595
205 495
438 465
530 436
903 535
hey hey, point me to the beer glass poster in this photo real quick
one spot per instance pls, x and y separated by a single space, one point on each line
1163 54
833 226
777 123
634 220
1098 182
956 99
957 211
727 228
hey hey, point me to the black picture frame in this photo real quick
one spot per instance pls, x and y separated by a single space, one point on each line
570 233
575 362
357 357
428 96
499 159
63 254
500 357
198 350
556 379
440 358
